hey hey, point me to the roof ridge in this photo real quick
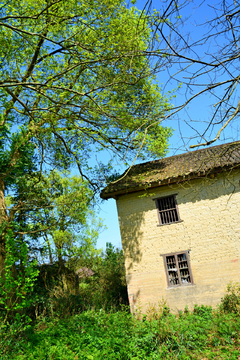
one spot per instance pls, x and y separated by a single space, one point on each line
189 152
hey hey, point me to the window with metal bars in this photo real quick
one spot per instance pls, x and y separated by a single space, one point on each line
167 210
178 270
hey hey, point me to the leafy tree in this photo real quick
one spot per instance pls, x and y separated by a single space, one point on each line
75 78
60 212
111 278
103 280
59 227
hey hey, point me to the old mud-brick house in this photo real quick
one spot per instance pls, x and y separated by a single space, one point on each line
180 227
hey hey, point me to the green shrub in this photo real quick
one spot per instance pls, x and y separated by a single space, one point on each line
109 288
16 282
230 303
204 311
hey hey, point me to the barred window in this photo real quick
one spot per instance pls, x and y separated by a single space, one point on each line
178 270
167 210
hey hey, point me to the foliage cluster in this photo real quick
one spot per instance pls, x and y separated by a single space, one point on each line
101 284
61 231
17 282
59 222
76 80
107 288
201 334
231 300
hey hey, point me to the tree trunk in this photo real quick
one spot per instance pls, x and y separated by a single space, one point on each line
3 223
49 249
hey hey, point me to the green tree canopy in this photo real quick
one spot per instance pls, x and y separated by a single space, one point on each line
75 77
59 210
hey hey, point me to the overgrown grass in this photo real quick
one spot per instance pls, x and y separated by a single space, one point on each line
201 334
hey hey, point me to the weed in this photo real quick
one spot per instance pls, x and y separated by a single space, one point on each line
203 333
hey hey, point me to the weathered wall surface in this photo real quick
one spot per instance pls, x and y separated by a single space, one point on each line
210 229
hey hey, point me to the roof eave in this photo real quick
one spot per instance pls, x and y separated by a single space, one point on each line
169 181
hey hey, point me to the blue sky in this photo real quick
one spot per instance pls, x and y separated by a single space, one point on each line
193 119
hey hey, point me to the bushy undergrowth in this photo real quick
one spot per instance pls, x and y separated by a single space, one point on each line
70 329
201 334
57 293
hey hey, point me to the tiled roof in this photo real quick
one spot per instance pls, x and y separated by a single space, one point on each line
175 169
84 272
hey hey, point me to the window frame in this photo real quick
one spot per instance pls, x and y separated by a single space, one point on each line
175 254
167 210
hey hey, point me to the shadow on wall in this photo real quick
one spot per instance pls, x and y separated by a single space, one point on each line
132 208
209 188
131 234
